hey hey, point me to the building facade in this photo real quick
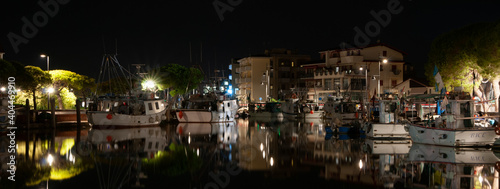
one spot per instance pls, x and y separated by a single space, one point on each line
356 74
272 75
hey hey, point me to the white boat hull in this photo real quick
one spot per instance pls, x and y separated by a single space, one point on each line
204 116
386 130
109 119
453 137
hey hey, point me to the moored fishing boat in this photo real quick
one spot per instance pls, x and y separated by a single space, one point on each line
126 112
207 109
388 126
457 125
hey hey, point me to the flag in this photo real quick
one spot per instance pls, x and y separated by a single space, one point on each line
438 79
445 101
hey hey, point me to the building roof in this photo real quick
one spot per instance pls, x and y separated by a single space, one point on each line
371 45
413 83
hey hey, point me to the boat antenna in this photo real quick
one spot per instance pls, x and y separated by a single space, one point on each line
116 47
103 44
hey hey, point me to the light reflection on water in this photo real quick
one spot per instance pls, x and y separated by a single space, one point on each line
227 155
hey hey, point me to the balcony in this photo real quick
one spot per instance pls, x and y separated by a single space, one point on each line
350 59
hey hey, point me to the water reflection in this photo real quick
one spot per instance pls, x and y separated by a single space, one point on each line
227 155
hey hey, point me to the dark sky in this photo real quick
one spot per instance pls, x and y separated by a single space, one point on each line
159 32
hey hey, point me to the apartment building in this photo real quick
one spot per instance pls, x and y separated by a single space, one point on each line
355 73
273 74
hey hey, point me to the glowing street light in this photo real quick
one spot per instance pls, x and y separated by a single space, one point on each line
50 90
271 161
2 89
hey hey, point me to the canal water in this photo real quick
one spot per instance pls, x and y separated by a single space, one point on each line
243 154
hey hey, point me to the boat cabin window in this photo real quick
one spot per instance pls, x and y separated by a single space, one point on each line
150 106
157 105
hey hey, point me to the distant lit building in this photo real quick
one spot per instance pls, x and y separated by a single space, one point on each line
271 75
344 72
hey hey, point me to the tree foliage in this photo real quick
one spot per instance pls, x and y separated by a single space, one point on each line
40 79
180 79
16 70
460 53
70 80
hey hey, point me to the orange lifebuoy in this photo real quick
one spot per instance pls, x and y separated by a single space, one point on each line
497 130
109 116
180 114
109 138
312 112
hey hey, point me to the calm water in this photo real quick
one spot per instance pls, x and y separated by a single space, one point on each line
244 154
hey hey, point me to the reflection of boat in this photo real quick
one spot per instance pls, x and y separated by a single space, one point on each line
127 113
207 110
445 154
456 125
388 146
145 140
451 167
196 129
270 111
387 126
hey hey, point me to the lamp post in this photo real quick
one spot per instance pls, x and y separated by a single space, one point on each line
50 89
383 60
366 88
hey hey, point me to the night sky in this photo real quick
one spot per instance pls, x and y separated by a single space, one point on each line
159 32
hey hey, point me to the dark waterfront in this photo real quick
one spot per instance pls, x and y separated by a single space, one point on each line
245 154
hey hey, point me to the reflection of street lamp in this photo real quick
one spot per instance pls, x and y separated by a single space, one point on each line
50 159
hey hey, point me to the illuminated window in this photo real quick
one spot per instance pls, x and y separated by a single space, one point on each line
293 64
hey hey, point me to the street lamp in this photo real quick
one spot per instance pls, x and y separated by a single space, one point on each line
49 90
48 60
383 60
